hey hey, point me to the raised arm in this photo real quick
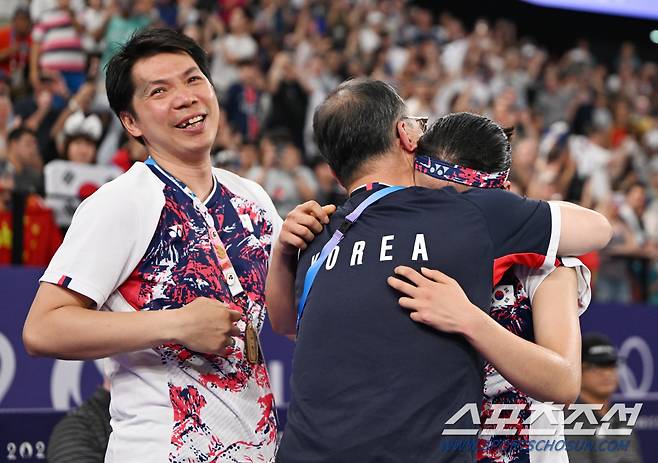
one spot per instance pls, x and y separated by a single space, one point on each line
582 230
62 323
299 229
548 370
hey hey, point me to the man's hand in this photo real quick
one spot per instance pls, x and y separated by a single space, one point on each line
434 299
302 224
206 325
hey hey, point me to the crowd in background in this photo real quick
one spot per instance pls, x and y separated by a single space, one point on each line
585 131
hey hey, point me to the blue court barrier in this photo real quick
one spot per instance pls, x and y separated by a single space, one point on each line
36 392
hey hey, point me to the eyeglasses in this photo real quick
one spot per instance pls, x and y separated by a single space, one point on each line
421 120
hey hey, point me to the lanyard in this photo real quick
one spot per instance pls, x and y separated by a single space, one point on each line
338 235
230 276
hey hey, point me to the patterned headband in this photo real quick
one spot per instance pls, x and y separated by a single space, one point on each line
458 174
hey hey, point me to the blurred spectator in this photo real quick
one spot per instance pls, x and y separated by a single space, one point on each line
7 121
249 155
245 105
592 156
422 101
282 174
556 167
7 186
40 236
131 152
650 217
525 157
23 154
167 11
599 382
93 20
239 161
81 135
15 44
38 7
70 180
614 278
128 17
230 49
83 435
322 79
187 14
78 103
586 129
57 46
555 98
289 98
329 190
632 212
39 111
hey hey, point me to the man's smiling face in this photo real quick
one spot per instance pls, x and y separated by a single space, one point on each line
175 107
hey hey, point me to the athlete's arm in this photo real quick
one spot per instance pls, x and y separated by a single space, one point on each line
63 324
299 229
556 327
535 232
547 371
582 230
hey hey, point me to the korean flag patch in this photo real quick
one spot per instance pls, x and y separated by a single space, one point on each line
503 295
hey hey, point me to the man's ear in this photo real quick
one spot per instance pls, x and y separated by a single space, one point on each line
407 143
128 121
507 185
333 173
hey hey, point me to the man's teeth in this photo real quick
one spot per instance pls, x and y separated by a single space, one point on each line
191 121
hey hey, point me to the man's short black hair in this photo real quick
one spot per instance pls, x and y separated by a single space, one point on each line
18 132
469 140
356 123
144 44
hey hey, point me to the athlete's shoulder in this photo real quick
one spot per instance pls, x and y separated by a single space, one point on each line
138 179
437 198
423 193
133 192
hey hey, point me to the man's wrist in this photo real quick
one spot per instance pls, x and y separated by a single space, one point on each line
168 327
475 322
285 251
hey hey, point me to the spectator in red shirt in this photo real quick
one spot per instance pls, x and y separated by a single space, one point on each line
15 43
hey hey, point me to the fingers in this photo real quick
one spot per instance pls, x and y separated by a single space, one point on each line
234 315
314 209
410 274
304 218
402 286
302 232
436 275
234 331
329 209
295 241
420 279
409 303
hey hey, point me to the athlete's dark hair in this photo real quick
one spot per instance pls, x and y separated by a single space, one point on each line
356 123
144 44
469 140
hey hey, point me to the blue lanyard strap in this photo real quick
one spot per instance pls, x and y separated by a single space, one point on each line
338 235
